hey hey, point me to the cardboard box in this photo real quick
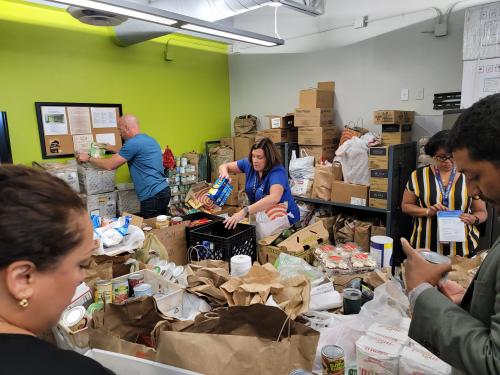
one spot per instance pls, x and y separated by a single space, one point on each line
378 157
379 179
319 136
280 122
278 135
321 97
393 117
343 192
232 200
301 244
396 134
313 117
319 152
242 146
378 199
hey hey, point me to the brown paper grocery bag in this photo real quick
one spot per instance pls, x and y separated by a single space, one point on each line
362 234
322 185
241 340
117 327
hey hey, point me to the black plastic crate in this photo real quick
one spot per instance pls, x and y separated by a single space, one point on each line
198 216
220 243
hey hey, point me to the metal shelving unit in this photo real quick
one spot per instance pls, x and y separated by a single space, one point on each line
402 162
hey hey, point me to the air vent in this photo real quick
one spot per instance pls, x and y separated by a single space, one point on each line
95 17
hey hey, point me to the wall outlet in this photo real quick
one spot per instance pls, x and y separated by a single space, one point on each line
361 22
405 94
420 94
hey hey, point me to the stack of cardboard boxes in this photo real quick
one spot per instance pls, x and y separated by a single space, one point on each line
396 125
280 129
318 136
241 147
378 161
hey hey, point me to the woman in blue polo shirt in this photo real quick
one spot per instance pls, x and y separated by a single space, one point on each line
266 182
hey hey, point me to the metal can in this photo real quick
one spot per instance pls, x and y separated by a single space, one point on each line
103 291
133 280
75 318
299 371
120 290
332 360
142 290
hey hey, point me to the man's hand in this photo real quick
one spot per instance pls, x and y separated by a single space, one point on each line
418 270
83 158
452 290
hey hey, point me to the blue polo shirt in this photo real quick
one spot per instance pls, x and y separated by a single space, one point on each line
145 162
256 190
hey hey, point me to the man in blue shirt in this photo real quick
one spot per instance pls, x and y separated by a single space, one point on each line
145 161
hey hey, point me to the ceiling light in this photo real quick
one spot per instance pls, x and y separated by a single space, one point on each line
122 10
164 17
228 35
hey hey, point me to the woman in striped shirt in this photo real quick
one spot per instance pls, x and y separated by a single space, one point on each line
439 187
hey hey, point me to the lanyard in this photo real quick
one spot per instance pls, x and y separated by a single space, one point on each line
255 187
445 193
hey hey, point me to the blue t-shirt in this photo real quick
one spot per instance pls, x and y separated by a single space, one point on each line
256 190
145 162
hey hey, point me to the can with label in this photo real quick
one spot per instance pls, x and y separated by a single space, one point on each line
332 360
133 280
75 318
120 290
103 291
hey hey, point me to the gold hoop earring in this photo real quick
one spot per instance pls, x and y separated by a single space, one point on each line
24 303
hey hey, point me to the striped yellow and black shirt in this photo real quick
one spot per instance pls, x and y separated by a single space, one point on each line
424 185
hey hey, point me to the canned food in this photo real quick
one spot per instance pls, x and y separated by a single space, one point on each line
143 289
176 220
74 318
332 360
133 280
120 291
103 291
96 306
299 371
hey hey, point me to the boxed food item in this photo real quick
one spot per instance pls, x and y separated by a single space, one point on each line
394 333
313 117
396 134
377 355
321 97
343 192
326 152
103 204
278 135
95 180
280 122
393 117
242 146
378 157
416 360
378 199
379 179
319 136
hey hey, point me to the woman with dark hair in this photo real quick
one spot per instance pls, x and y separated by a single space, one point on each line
266 182
45 244
440 187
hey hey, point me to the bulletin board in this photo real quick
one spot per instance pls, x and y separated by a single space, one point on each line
66 128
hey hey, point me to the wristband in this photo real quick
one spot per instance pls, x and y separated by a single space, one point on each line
245 210
477 220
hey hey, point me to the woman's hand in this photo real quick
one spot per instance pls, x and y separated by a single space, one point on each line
468 219
452 290
224 172
433 210
232 221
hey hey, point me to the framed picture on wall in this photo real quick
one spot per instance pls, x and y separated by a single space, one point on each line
67 128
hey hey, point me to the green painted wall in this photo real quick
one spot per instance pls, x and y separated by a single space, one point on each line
46 55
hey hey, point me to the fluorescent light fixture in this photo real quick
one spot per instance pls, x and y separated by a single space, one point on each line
228 35
122 10
167 18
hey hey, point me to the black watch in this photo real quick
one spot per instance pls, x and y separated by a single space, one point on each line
477 220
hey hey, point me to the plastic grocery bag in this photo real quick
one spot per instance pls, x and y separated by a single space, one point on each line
353 156
302 167
272 221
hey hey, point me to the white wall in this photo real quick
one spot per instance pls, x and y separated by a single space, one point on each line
369 75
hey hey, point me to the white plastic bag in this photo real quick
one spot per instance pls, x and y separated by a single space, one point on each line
302 167
266 227
353 155
132 241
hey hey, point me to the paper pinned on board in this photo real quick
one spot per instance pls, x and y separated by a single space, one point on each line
54 121
108 138
103 117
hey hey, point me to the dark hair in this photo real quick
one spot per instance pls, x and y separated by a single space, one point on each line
37 212
478 130
271 153
437 141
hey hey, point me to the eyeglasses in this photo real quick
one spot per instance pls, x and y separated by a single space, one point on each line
443 158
